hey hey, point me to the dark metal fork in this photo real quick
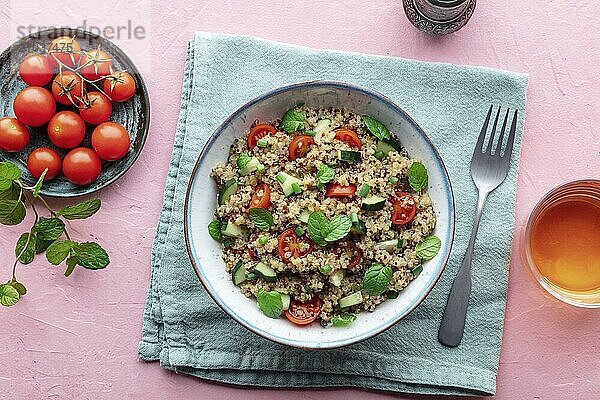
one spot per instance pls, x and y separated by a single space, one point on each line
489 167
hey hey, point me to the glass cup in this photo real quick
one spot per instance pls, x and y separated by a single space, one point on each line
561 227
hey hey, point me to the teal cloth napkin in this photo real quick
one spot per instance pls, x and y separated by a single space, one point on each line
189 333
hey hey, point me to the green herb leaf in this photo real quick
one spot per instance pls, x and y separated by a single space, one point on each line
11 194
71 263
57 252
42 245
9 173
293 120
243 160
228 242
21 289
428 248
90 255
12 212
270 303
338 228
25 248
261 218
49 228
377 278
8 295
39 183
343 320
376 128
318 225
214 230
82 210
325 174
417 176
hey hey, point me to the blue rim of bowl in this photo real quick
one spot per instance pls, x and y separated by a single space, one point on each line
141 88
283 340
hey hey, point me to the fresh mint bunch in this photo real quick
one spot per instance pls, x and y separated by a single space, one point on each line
47 235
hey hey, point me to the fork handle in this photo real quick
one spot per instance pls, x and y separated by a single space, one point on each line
455 314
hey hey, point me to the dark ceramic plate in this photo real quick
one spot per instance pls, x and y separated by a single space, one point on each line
134 114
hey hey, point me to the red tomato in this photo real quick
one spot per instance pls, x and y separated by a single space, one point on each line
259 131
35 70
68 88
290 245
96 108
82 166
304 313
252 254
43 158
111 141
66 130
119 86
350 250
95 64
349 137
66 50
405 208
336 190
299 146
261 197
34 106
14 136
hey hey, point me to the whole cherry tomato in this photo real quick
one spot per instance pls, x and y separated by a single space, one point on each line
119 86
95 64
66 130
66 49
82 166
42 158
34 106
14 136
68 88
95 108
36 70
111 141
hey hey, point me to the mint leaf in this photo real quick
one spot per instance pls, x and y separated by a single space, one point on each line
21 289
12 193
8 295
293 120
49 228
38 184
214 230
90 255
261 218
12 212
25 248
325 174
376 279
57 252
376 128
417 176
339 227
82 210
318 226
343 320
8 174
270 303
42 245
428 248
71 263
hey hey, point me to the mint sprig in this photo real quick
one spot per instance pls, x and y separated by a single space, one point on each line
261 218
322 230
293 120
325 174
48 233
428 248
377 279
417 176
376 128
270 303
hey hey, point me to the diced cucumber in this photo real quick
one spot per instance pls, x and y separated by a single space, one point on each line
238 274
387 145
325 269
250 166
389 245
373 203
417 270
323 125
354 217
364 190
336 277
229 188
232 230
265 272
304 216
285 299
349 156
289 184
351 300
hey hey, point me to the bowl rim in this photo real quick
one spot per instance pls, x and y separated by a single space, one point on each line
240 110
143 91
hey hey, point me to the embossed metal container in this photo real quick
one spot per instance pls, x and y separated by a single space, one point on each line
439 17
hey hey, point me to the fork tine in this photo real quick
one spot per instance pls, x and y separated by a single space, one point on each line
481 138
488 149
511 136
501 139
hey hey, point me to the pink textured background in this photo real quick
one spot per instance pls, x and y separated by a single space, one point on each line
77 337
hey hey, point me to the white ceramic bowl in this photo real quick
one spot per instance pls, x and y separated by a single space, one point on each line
205 253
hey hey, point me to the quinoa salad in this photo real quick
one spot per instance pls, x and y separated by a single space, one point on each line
321 215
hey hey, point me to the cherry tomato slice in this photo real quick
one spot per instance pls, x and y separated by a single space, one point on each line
349 137
299 146
261 197
252 254
350 250
405 208
336 190
290 245
259 131
304 313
